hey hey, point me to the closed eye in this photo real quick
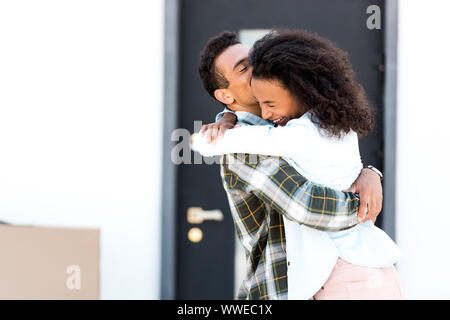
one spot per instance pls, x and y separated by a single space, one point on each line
244 69
269 103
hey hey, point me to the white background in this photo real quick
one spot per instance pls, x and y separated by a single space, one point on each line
423 143
81 128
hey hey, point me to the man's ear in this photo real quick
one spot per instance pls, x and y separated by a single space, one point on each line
224 96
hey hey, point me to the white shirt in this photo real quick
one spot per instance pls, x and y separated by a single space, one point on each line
329 161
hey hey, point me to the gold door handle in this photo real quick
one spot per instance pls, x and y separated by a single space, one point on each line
197 215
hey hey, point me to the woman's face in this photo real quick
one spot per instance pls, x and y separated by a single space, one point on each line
277 103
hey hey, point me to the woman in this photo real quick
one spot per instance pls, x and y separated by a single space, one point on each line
306 86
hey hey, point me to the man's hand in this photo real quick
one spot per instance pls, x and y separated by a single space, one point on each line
368 185
217 129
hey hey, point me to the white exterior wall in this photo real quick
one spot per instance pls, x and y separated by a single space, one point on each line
81 128
423 144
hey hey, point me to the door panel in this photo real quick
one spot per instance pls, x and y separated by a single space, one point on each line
205 269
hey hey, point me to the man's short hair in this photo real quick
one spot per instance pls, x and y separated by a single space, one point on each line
211 77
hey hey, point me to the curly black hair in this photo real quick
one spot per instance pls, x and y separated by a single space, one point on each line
211 77
318 74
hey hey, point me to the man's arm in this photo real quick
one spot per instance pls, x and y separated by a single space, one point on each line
276 183
368 186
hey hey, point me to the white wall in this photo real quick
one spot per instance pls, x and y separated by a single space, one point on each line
80 128
423 173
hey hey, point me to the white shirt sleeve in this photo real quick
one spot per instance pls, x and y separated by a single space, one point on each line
298 141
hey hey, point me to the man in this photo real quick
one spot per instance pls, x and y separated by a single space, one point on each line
261 192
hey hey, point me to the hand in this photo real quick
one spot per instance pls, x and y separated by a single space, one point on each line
368 185
216 130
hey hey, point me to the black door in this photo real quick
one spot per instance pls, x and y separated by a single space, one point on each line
205 251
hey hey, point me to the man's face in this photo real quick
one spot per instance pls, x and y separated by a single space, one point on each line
234 65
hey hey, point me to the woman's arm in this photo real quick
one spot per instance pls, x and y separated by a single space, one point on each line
297 141
224 121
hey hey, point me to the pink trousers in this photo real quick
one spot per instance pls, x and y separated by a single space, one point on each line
351 282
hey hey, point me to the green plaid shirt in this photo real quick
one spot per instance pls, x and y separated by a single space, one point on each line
261 190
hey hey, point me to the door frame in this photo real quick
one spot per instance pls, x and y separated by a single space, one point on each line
390 116
169 170
170 115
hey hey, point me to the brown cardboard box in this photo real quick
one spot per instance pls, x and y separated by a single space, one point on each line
49 263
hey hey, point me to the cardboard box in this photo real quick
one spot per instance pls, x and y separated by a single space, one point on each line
49 263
